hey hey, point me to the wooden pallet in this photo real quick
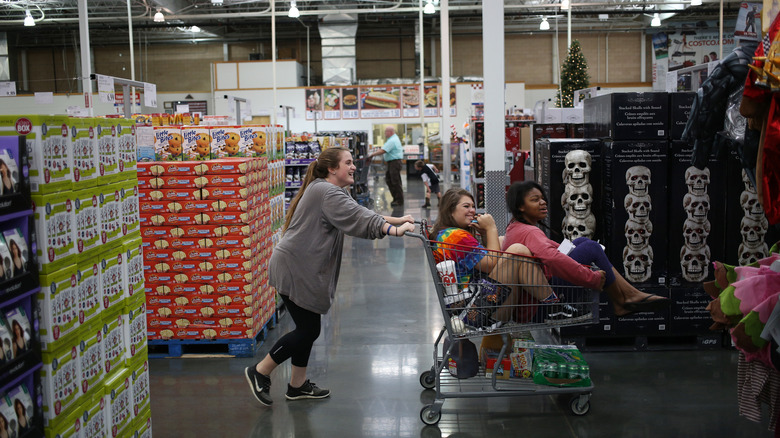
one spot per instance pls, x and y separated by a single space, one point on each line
649 342
159 348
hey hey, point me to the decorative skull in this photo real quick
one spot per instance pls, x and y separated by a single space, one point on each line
697 207
748 255
695 233
578 200
697 180
638 263
751 206
753 231
578 167
638 207
574 227
749 187
694 263
638 180
638 234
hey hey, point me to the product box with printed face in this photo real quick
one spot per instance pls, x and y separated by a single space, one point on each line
90 296
696 211
110 213
48 147
111 279
88 228
60 381
197 142
225 141
139 385
253 141
135 329
90 351
119 398
635 192
131 222
132 267
569 171
168 143
86 161
59 310
126 146
679 113
55 226
627 116
108 151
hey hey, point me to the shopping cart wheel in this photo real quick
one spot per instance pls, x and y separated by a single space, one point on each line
580 405
427 379
428 416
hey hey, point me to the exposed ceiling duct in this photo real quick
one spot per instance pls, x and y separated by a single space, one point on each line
337 33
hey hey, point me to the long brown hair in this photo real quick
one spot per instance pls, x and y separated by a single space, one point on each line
328 159
449 201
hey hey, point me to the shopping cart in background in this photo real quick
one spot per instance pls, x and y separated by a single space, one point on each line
475 305
360 190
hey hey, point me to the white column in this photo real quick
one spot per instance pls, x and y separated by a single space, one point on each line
86 66
493 72
273 62
421 91
444 129
132 58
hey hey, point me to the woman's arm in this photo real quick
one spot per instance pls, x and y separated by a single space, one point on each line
486 226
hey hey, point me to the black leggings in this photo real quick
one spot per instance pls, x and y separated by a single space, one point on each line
297 344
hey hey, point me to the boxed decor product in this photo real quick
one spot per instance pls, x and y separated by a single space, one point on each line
58 307
646 323
135 329
108 151
55 226
110 213
60 381
679 112
88 225
627 116
689 314
90 357
131 221
569 171
86 161
48 147
118 403
94 418
110 280
89 296
697 207
126 148
634 191
140 385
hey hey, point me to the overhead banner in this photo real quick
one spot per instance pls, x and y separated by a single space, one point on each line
333 103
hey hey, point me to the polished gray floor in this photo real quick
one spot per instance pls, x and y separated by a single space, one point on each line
378 338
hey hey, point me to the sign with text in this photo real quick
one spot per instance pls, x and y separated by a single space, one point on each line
350 103
331 101
380 102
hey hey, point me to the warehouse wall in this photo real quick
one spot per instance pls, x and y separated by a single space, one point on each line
185 67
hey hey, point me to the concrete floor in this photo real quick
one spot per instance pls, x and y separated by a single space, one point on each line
378 338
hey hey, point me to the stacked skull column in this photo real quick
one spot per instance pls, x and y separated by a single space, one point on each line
577 196
638 254
753 227
695 253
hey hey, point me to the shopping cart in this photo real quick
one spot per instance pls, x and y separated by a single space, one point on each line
360 190
476 305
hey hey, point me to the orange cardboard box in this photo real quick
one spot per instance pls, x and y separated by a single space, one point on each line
172 182
227 166
227 230
229 193
179 195
232 288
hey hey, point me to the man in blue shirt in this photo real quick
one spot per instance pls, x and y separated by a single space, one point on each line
393 153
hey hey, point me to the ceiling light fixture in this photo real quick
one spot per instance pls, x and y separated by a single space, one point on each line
544 25
159 17
293 12
565 5
28 19
695 2
656 21
429 8
216 2
194 29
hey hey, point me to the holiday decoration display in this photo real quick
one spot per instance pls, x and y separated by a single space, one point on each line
577 196
574 76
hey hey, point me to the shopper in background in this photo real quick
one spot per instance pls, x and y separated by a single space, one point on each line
393 153
528 205
456 225
430 181
304 267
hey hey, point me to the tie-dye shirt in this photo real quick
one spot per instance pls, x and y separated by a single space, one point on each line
464 249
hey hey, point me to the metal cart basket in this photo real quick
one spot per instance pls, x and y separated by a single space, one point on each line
507 301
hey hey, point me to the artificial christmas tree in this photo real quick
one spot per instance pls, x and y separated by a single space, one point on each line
574 76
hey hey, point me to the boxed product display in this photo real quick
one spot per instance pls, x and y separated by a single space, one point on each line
253 141
168 143
58 306
679 113
139 386
569 171
15 187
647 323
86 161
118 403
67 427
60 381
20 326
135 329
90 296
111 281
560 365
627 116
90 358
94 419
19 400
225 141
108 151
48 146
126 146
142 425
16 255
132 267
131 221
689 314
55 226
196 142
110 213
88 226
635 192
696 211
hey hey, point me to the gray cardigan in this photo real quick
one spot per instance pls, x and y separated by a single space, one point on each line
305 263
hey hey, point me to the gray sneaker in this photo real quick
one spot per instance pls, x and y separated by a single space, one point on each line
307 390
260 385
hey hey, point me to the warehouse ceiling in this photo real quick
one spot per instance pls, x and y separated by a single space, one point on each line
57 21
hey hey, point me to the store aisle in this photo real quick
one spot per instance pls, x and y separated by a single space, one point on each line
378 338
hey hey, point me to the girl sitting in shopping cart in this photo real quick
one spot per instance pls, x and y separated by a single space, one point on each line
478 263
528 205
